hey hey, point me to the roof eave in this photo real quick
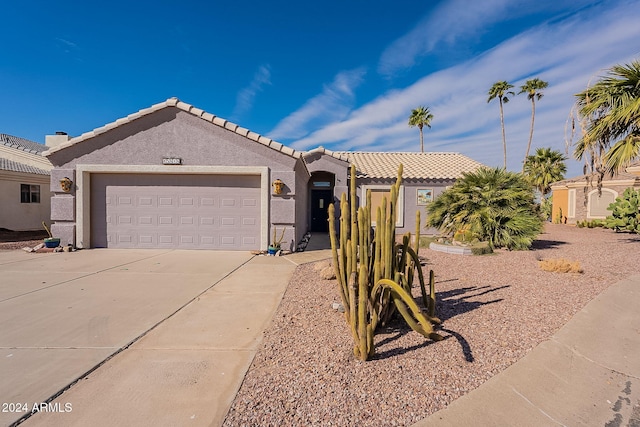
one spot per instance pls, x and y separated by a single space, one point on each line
176 103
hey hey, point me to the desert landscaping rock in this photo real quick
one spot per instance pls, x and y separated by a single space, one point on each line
495 309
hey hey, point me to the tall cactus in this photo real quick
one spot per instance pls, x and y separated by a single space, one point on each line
375 275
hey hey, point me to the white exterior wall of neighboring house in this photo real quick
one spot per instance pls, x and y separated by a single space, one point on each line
25 158
19 216
25 196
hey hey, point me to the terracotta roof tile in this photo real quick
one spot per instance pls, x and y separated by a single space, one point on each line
175 102
415 165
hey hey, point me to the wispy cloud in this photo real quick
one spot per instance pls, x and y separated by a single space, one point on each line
332 104
458 20
246 96
567 53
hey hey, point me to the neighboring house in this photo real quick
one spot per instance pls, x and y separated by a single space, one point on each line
174 176
24 184
575 199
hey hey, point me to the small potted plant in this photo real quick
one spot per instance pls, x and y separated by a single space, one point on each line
50 242
274 247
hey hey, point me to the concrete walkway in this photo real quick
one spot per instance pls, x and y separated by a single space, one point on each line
587 374
177 348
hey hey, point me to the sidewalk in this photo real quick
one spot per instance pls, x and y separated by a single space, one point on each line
587 374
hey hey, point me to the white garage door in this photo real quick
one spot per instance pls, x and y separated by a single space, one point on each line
175 211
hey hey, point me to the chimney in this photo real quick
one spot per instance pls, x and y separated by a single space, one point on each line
57 139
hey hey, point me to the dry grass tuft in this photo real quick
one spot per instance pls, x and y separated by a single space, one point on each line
560 266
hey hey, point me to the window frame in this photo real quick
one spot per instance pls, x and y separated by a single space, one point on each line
589 196
571 202
400 212
32 193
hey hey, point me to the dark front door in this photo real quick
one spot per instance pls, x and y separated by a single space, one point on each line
320 200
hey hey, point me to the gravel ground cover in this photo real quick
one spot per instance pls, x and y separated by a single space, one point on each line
495 309
10 240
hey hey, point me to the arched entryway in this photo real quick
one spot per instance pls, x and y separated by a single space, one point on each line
321 195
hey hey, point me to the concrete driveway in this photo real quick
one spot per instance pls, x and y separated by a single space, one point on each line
62 315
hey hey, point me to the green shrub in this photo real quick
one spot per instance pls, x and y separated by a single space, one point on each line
625 212
594 223
494 205
546 206
481 248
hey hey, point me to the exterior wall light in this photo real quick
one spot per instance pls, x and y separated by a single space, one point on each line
277 186
65 184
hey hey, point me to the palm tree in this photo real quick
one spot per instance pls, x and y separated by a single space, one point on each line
533 89
493 205
542 169
421 117
500 90
610 110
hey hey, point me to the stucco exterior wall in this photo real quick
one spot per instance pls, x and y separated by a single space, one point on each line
174 133
302 201
560 202
582 198
318 162
410 202
18 216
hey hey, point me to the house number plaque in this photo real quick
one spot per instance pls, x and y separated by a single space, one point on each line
171 161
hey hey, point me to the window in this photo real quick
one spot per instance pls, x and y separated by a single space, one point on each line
598 204
572 204
29 193
377 194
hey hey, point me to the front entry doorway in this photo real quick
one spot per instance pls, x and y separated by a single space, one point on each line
320 200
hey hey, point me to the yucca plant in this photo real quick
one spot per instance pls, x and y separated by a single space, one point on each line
375 275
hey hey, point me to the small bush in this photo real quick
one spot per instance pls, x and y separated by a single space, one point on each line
625 212
595 223
560 266
426 240
481 248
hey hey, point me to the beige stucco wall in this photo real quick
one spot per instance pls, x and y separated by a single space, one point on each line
23 216
583 193
560 201
25 158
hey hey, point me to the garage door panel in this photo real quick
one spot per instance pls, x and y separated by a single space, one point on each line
191 212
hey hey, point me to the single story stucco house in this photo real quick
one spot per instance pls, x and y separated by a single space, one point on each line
24 184
175 176
577 199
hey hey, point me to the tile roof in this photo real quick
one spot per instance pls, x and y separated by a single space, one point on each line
323 150
10 165
620 176
415 165
21 144
175 102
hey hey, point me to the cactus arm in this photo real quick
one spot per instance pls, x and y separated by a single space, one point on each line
417 316
352 306
431 308
416 243
362 313
334 253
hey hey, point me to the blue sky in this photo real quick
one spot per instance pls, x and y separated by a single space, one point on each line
344 75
